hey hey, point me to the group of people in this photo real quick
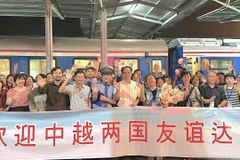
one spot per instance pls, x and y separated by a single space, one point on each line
77 89
113 87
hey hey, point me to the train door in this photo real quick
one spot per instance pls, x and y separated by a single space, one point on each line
193 63
153 62
173 55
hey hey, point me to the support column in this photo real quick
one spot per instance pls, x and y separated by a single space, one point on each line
104 45
48 35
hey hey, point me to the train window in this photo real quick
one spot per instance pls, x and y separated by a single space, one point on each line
133 63
155 63
37 66
82 63
5 66
220 65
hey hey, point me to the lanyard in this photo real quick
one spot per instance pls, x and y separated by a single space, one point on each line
229 93
213 92
154 97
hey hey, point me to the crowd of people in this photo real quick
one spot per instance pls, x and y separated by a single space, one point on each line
113 87
116 86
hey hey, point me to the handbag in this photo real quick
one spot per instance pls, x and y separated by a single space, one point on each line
184 102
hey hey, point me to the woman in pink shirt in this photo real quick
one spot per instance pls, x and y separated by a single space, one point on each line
17 97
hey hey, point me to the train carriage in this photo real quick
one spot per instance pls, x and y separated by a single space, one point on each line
194 51
30 53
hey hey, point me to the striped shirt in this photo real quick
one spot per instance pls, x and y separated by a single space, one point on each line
232 96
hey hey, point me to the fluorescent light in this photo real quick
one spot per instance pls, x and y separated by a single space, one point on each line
145 19
169 19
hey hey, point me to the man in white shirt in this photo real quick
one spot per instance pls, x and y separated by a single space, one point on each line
130 92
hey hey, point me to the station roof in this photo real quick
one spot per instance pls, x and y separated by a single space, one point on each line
127 19
229 12
212 20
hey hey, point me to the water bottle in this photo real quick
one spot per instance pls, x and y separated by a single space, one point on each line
211 104
229 104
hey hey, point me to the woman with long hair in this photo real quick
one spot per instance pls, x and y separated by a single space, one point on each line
10 81
195 81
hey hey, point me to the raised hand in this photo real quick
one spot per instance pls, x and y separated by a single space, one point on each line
99 60
203 80
183 65
116 64
6 109
134 102
141 86
230 68
116 85
156 68
68 75
14 84
163 72
95 89
16 67
74 68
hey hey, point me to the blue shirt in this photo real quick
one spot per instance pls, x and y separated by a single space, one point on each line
89 83
110 92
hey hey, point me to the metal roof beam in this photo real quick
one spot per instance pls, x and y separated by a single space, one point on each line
94 19
78 2
75 7
114 18
227 5
142 2
152 8
77 16
13 10
183 12
146 19
128 25
57 10
159 6
132 16
109 30
230 19
219 10
159 27
8 14
119 4
24 5
77 13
